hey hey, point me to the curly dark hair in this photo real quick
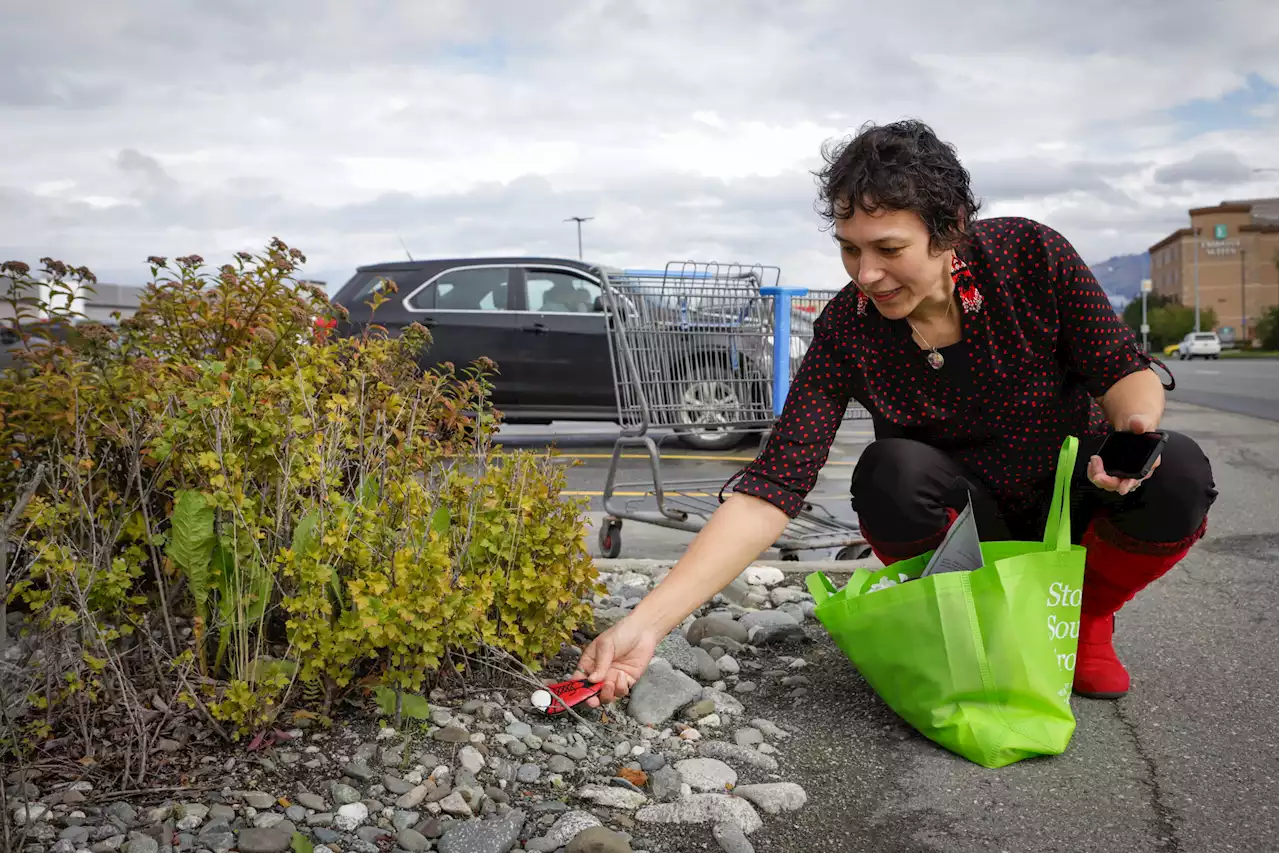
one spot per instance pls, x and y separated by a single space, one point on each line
899 166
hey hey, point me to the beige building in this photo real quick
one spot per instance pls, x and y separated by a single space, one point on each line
1235 264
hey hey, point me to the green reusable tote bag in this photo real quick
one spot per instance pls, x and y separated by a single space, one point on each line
981 662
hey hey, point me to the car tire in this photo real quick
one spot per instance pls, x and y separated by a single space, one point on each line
711 441
703 388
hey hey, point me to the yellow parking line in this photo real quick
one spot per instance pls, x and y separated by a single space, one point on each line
590 494
664 456
690 456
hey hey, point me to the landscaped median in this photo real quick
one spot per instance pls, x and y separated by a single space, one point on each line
480 770
268 589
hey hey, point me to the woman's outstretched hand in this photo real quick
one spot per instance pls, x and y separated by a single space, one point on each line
1138 424
618 658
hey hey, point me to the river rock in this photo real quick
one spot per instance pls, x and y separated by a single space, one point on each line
774 797
412 841
350 816
470 760
733 754
269 840
343 794
707 669
677 651
489 836
706 774
731 838
704 808
715 626
598 840
568 827
764 576
613 798
660 692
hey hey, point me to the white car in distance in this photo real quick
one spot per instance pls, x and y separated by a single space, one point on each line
1200 345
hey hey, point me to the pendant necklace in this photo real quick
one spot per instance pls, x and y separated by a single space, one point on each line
934 357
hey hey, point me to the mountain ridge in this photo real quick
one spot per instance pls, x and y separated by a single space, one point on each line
1121 276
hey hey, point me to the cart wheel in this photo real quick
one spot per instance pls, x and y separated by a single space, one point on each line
854 552
610 539
790 557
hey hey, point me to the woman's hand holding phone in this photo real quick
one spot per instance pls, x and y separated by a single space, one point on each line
1126 457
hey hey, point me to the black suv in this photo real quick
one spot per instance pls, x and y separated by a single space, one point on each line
541 319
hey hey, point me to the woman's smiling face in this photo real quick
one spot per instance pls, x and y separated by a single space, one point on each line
888 255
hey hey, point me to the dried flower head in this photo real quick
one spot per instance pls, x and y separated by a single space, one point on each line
96 332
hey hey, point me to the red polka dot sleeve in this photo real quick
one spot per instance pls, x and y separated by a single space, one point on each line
1040 344
787 468
1095 342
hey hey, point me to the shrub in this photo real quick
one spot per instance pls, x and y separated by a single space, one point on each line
1267 331
237 505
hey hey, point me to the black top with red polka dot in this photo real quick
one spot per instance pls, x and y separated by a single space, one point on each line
1040 342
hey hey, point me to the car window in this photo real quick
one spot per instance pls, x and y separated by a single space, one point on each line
561 292
483 289
365 284
1209 336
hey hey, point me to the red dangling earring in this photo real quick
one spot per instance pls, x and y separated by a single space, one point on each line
863 302
970 296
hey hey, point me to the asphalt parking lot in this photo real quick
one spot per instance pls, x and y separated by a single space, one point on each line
696 475
1186 762
1244 386
1247 387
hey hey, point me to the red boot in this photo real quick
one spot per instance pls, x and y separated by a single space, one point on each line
1099 672
1117 567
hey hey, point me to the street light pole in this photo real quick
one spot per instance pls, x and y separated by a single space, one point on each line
1275 259
1244 314
579 220
1146 288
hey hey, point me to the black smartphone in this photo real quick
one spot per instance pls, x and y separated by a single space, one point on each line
1130 455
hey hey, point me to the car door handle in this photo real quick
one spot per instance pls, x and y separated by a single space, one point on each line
537 329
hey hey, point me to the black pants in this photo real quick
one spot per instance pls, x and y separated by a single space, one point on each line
902 490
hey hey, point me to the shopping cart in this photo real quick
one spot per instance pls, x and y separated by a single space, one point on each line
807 305
694 349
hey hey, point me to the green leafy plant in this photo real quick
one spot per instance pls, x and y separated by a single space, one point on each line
395 704
288 513
1268 329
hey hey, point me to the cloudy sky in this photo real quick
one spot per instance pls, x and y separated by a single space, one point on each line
688 130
